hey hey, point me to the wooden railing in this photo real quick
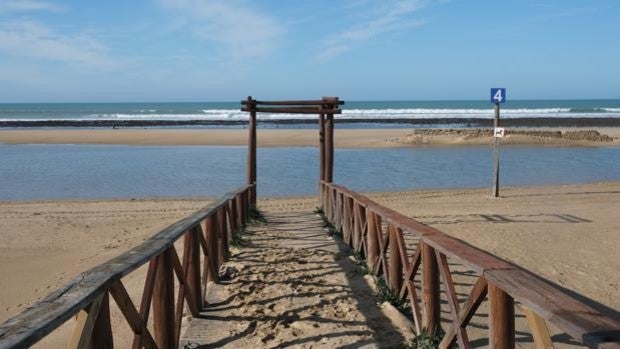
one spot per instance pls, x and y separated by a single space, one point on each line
379 234
206 236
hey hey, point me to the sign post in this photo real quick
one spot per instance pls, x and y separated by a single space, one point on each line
498 96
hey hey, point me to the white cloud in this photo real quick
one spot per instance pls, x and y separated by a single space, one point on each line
35 40
390 17
28 5
243 31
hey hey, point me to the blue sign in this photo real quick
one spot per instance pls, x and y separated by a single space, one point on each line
498 95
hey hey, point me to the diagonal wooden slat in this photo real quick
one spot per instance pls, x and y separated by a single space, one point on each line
453 301
475 298
178 270
85 323
147 296
119 293
410 272
408 284
540 331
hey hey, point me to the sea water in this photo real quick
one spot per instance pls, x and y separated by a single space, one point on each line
37 172
372 111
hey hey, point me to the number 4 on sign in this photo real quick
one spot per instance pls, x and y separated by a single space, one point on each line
498 95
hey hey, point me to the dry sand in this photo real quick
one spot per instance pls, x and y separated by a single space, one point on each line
568 234
345 138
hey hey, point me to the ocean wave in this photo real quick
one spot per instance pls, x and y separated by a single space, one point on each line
370 114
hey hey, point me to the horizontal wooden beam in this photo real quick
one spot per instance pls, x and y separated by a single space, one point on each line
327 101
294 110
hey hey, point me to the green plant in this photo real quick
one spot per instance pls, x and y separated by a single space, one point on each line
386 294
256 215
319 211
238 237
361 263
427 340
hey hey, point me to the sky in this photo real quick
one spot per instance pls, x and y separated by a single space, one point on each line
225 50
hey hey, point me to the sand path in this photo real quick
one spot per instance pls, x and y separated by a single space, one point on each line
294 286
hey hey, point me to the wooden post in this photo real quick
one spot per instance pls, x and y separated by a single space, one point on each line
496 145
251 172
372 242
430 289
192 239
501 319
321 155
329 143
163 302
396 266
211 237
222 237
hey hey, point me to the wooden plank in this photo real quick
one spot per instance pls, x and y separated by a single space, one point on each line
412 269
372 241
319 102
85 322
163 302
193 266
579 320
321 148
540 331
501 318
121 297
179 270
475 298
453 301
295 110
145 303
395 265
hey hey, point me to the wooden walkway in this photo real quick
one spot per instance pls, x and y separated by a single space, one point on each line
294 285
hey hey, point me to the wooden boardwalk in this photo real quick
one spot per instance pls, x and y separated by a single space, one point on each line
293 285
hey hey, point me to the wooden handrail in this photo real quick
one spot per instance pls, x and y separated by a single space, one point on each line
326 101
377 233
43 317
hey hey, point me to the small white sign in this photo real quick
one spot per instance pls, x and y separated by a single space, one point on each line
499 132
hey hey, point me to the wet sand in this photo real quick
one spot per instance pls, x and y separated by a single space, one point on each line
345 138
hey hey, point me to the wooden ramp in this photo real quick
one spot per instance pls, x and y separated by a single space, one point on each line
293 285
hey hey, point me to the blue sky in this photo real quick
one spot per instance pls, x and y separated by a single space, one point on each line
223 50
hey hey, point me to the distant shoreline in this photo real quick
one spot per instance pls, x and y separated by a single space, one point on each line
462 122
344 138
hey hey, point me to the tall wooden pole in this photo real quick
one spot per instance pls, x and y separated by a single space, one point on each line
496 153
322 146
329 141
251 172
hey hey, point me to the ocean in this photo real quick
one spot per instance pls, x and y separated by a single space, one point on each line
354 112
48 172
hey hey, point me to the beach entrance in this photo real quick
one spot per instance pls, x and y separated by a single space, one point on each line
245 273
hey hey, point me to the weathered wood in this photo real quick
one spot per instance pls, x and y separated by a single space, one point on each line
84 325
579 320
320 102
163 302
372 243
145 303
251 163
453 301
295 110
222 237
121 297
540 331
329 146
501 318
321 148
210 226
395 264
179 270
430 289
412 268
475 298
192 243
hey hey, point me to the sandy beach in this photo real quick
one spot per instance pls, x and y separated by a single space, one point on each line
345 138
567 234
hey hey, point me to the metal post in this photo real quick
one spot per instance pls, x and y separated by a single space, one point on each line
496 145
